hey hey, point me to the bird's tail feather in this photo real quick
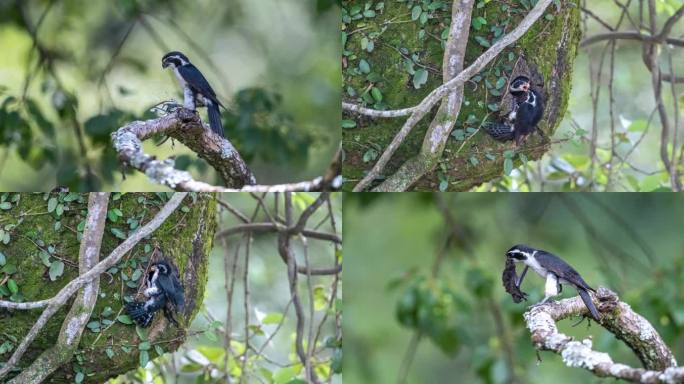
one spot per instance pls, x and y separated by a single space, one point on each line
137 312
586 297
499 131
215 119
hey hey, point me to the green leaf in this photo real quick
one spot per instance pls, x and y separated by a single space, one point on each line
283 375
52 204
109 352
144 358
56 269
483 41
364 67
79 377
509 153
638 126
272 318
416 12
6 205
478 22
136 274
377 95
12 286
144 346
3 260
420 78
118 233
508 166
474 161
124 319
348 124
443 185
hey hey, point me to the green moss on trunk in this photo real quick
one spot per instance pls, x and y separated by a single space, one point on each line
550 46
186 238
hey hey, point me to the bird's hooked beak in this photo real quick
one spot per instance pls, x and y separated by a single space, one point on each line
526 87
153 268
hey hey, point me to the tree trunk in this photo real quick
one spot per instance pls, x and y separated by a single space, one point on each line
41 233
549 49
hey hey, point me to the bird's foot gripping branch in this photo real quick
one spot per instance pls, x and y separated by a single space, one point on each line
618 318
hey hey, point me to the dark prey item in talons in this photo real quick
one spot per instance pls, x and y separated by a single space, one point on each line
510 282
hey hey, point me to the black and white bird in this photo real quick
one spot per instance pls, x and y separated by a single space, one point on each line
162 290
526 112
555 271
196 89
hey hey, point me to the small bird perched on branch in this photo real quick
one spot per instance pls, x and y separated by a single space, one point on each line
163 290
553 269
196 89
527 111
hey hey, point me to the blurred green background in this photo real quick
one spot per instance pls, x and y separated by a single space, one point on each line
95 65
630 243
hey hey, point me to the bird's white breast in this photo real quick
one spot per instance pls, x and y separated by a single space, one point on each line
532 262
181 80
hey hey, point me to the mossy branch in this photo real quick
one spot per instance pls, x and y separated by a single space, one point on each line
424 107
82 308
60 299
618 318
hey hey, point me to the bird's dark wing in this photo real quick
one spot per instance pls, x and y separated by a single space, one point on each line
172 289
561 269
539 111
198 83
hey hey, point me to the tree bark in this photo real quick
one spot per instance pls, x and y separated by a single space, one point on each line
549 47
186 238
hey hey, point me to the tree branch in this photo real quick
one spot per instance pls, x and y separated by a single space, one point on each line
285 250
441 125
185 126
440 92
65 293
82 308
619 319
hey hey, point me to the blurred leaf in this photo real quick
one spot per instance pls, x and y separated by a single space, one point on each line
56 269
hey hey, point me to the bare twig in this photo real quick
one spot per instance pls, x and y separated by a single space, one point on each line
285 249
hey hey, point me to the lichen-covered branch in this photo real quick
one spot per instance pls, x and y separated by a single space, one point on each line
81 309
185 126
59 300
424 107
618 318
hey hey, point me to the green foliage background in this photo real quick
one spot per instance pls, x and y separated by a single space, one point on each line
630 243
97 65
